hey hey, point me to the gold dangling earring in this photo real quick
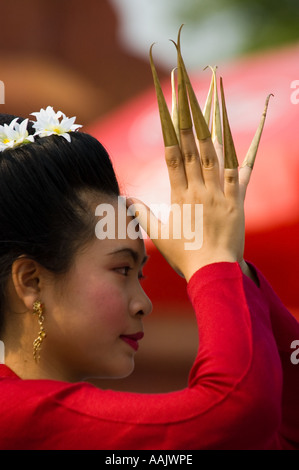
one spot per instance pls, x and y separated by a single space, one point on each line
38 310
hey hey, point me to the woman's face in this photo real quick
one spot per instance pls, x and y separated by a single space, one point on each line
93 318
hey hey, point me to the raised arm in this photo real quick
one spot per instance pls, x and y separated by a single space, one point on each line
286 333
196 181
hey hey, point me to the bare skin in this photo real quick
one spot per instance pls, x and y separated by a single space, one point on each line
86 311
195 179
100 299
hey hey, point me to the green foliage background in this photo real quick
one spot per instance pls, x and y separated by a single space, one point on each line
267 23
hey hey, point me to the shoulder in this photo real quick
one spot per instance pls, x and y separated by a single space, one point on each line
11 384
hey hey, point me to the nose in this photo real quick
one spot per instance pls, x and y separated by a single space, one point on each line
141 304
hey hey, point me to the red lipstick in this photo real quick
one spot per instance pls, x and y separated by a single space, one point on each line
132 340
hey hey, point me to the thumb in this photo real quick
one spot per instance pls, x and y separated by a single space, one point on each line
146 218
244 178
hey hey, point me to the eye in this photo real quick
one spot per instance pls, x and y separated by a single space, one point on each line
124 270
141 276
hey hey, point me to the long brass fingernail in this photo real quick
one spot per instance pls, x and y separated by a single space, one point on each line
252 151
200 125
208 104
216 119
168 131
174 105
230 156
185 120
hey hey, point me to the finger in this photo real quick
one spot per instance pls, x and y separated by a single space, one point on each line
146 218
231 183
219 151
188 144
244 178
191 158
152 226
176 170
209 163
173 154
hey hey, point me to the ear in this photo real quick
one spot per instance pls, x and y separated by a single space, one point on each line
26 280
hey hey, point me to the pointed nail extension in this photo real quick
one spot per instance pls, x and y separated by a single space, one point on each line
169 134
185 120
174 107
200 125
216 120
251 154
208 104
230 156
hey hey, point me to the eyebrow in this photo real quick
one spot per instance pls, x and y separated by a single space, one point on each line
129 251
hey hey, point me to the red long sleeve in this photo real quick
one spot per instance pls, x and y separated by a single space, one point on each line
233 400
286 331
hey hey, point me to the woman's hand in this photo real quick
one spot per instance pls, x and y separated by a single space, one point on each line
199 178
195 180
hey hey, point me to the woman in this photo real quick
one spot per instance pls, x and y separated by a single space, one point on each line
72 307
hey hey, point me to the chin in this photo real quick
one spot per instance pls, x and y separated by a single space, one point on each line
120 371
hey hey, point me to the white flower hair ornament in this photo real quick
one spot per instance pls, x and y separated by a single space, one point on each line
48 122
14 134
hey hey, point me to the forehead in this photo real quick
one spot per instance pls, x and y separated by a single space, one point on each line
116 228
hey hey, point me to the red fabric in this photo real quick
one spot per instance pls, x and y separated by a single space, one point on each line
243 388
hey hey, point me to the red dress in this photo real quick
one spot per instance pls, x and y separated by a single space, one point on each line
243 390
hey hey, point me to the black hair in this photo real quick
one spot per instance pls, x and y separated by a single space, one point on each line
43 214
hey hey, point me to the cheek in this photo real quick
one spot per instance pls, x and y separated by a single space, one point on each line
109 305
100 305
90 318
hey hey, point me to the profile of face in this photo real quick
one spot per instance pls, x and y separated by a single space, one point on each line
94 312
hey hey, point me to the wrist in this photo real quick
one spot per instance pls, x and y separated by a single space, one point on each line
195 266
